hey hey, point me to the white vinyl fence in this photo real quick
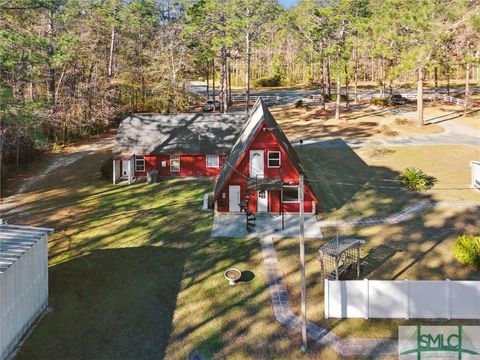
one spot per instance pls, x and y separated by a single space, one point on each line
23 281
402 299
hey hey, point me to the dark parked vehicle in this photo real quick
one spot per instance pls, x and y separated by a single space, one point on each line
211 105
398 99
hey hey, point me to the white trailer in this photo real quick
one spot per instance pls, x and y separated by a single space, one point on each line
23 281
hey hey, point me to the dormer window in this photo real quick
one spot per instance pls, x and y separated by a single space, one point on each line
274 159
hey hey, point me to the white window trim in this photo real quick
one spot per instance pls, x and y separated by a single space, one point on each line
291 201
179 164
218 161
141 158
279 159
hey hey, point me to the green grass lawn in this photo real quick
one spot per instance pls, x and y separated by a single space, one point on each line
417 249
420 248
352 184
134 274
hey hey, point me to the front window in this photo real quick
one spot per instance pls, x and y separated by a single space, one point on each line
139 163
274 159
175 163
213 161
290 194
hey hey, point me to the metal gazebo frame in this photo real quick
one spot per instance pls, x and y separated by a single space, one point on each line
337 255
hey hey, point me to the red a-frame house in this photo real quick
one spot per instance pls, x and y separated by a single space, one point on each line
261 173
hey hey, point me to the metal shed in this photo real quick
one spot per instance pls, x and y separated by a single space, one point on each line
23 281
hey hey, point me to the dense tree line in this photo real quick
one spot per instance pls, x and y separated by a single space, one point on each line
68 68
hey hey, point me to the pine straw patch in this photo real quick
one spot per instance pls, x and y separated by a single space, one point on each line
312 122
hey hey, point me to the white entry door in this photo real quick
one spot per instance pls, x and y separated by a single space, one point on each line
262 201
234 198
125 164
256 163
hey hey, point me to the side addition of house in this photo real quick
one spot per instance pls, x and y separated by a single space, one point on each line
262 172
175 145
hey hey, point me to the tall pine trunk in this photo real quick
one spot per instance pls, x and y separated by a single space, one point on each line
224 75
229 85
51 70
355 76
448 83
435 77
213 79
208 80
247 69
382 79
329 88
347 100
420 96
339 87
322 74
467 87
112 46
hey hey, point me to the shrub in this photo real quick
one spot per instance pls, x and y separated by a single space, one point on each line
107 169
467 250
388 131
376 151
269 81
381 102
333 97
416 180
401 121
298 103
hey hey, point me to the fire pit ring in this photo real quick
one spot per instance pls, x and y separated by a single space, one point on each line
232 275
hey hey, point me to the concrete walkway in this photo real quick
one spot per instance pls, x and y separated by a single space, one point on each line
234 225
284 314
280 301
400 216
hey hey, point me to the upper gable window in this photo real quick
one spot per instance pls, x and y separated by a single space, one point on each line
274 159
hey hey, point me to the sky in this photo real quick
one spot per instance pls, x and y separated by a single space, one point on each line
287 3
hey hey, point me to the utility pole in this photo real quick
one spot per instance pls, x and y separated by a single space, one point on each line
303 289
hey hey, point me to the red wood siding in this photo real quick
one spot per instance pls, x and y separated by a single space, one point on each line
190 165
266 141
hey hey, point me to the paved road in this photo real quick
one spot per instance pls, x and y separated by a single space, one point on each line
446 138
453 134
289 96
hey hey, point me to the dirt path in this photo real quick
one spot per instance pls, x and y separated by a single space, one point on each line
69 156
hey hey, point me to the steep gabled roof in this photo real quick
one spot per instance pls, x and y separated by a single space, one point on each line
258 116
178 133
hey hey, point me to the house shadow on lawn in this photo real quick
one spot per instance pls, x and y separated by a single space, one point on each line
342 180
110 304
